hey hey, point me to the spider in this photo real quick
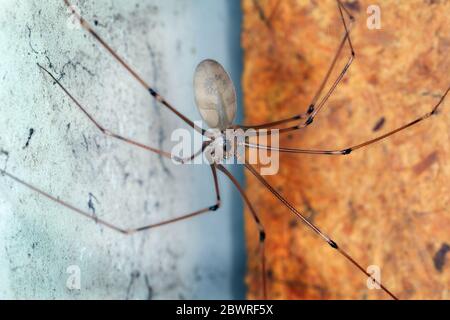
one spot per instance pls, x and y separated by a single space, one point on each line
216 101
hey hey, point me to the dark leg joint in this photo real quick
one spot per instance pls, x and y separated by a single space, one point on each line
311 109
333 244
347 151
152 92
214 207
309 121
262 236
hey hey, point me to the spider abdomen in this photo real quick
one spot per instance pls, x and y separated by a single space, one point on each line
215 94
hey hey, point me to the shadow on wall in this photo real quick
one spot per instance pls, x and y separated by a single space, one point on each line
237 220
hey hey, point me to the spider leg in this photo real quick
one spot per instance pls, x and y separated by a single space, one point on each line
267 19
117 136
109 225
133 73
262 233
314 228
348 150
316 105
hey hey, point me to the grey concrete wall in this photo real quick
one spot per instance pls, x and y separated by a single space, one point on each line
67 157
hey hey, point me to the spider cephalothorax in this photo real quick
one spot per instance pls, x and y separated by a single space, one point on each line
223 146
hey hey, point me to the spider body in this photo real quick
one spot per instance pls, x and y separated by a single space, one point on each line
215 97
221 148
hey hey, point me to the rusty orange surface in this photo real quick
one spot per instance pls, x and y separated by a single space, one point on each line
388 204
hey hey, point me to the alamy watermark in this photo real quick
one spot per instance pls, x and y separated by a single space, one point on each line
73 281
73 22
374 281
374 20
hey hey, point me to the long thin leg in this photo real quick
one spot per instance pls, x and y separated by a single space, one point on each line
262 233
112 226
273 123
133 73
316 106
348 150
267 19
114 135
312 226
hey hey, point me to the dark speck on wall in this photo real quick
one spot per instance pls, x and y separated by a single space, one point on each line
91 205
353 5
30 134
379 124
439 257
149 288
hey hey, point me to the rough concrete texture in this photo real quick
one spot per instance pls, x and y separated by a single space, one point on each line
47 141
388 205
